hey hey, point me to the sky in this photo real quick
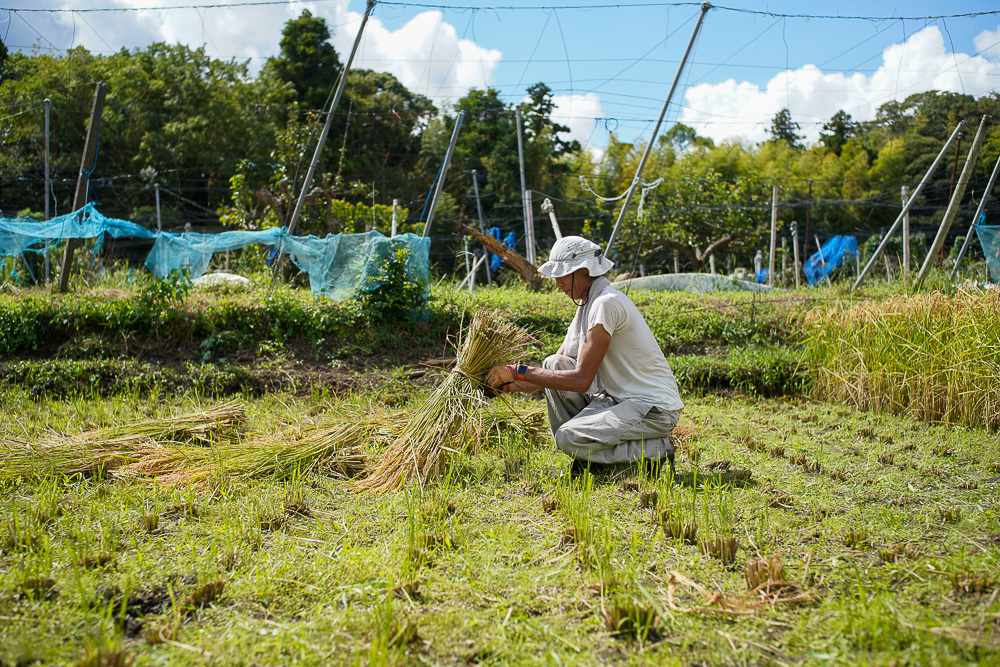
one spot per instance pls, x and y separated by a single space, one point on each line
610 64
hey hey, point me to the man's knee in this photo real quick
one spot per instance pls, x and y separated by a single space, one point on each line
559 362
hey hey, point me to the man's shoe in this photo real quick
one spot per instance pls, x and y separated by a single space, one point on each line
581 466
653 467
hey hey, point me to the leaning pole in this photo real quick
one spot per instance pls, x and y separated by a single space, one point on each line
341 84
907 206
955 203
705 6
975 219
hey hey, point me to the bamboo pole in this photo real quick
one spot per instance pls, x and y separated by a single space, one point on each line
339 91
705 6
975 218
955 203
547 207
444 172
479 211
907 206
905 194
87 165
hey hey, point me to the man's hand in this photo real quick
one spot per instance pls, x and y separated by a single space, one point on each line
498 376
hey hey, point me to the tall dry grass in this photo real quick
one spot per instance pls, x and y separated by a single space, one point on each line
933 356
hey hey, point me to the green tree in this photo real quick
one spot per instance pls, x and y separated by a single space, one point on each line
839 129
308 60
172 115
3 57
783 128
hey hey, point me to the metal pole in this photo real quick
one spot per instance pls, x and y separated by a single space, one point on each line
479 210
395 216
705 6
809 204
975 218
529 246
956 200
341 83
48 104
87 165
444 172
159 224
530 210
906 234
468 267
774 235
48 184
907 206
795 252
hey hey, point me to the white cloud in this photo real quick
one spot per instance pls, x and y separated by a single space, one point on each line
577 112
744 110
988 43
426 53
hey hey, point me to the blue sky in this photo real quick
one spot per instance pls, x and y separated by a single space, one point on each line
609 67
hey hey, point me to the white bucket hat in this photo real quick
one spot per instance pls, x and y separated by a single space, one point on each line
575 252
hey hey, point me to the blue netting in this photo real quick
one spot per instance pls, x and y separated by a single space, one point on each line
340 264
831 255
18 235
337 265
173 252
989 236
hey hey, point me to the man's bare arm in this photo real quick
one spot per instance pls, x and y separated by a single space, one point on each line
578 379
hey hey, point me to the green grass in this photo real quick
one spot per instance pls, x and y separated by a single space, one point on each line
482 567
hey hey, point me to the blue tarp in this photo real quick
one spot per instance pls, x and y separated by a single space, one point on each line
830 257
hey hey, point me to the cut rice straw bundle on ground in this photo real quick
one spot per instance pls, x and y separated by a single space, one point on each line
335 448
444 422
109 448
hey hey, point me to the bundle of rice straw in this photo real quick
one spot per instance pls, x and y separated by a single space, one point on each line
499 420
443 422
333 447
107 449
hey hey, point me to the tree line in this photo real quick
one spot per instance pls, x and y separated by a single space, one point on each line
229 149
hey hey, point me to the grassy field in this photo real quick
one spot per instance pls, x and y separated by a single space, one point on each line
886 529
796 531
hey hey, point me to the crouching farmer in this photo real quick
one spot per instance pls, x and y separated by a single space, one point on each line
611 395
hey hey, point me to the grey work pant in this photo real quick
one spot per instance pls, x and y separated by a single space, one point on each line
599 429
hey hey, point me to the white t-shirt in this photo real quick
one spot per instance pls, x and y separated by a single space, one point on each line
634 366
